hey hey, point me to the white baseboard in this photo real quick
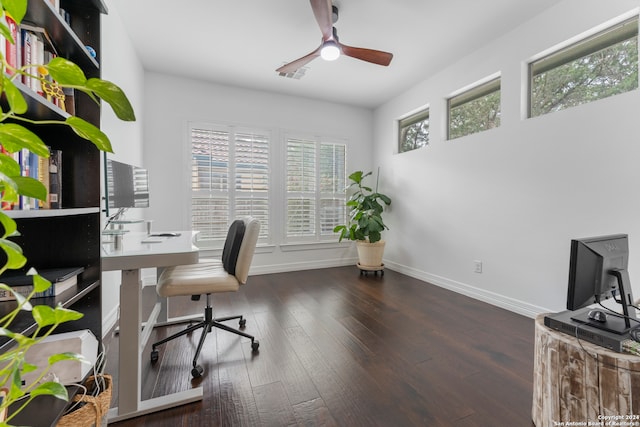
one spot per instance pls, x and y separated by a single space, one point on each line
511 304
307 265
109 321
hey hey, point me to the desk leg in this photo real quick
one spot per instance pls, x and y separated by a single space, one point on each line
129 362
130 354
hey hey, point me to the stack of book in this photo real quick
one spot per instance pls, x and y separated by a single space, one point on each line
61 279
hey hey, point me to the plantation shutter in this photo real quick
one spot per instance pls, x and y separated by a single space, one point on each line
229 179
301 188
316 180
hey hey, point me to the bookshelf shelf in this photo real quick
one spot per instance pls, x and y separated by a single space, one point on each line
50 213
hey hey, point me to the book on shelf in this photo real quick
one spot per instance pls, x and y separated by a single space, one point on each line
62 279
55 179
13 54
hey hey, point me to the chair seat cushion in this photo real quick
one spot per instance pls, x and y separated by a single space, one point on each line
196 279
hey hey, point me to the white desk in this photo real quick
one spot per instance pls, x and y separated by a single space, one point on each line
132 256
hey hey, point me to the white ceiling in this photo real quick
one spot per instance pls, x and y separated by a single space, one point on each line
242 42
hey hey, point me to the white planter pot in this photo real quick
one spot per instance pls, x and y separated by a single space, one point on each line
370 254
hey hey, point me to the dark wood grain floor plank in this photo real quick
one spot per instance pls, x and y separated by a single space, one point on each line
340 349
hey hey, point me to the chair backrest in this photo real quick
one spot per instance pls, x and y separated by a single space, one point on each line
231 249
247 248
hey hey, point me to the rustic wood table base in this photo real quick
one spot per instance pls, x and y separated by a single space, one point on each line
579 383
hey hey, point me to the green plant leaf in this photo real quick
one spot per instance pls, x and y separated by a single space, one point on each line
6 32
28 367
40 284
31 187
16 8
384 198
13 252
55 358
9 166
51 388
356 177
90 132
65 72
19 338
45 315
112 94
16 100
14 137
8 224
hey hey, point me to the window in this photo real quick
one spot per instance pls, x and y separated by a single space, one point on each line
413 131
474 110
229 179
600 66
315 188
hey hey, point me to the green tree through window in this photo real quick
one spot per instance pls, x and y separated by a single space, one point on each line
598 67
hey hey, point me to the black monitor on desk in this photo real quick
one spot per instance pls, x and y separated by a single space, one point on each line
598 271
126 186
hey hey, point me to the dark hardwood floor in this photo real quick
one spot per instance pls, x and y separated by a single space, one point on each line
337 348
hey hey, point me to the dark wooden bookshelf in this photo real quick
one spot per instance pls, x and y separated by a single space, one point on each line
70 236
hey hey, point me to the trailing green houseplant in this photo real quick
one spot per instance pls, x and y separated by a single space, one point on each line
365 214
15 136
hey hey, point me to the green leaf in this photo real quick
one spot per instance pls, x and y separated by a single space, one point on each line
9 189
40 284
90 132
14 137
115 96
384 198
51 388
8 224
13 252
55 358
45 315
6 32
16 100
65 72
28 367
16 8
8 165
31 187
356 177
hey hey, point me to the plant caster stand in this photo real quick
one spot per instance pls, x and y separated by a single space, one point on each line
365 269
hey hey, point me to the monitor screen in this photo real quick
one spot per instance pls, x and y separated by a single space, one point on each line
127 186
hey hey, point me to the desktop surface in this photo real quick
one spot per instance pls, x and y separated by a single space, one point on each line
136 251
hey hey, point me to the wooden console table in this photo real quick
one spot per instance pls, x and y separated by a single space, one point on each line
580 382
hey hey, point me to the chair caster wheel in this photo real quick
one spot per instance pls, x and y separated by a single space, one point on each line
255 344
243 322
197 371
154 356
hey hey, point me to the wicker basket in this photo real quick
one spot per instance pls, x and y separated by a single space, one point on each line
94 412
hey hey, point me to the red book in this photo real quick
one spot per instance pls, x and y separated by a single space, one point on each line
12 48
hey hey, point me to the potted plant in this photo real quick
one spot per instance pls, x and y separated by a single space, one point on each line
365 224
15 135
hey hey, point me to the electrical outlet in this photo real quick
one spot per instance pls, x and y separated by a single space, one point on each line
477 266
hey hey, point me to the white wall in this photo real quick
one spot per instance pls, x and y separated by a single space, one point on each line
120 65
512 197
171 102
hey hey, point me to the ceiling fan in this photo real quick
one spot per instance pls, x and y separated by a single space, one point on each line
330 48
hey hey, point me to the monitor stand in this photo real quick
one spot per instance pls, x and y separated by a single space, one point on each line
618 324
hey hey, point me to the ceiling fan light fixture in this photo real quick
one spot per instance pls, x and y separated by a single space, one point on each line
330 51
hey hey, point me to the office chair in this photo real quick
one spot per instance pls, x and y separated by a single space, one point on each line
224 275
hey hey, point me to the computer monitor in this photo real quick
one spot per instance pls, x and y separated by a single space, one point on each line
598 271
126 186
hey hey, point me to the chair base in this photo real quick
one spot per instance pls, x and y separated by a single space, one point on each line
206 325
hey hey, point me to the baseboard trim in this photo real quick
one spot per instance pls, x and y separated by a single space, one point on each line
511 304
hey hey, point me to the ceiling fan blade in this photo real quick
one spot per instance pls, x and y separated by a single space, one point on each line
374 56
323 14
300 62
